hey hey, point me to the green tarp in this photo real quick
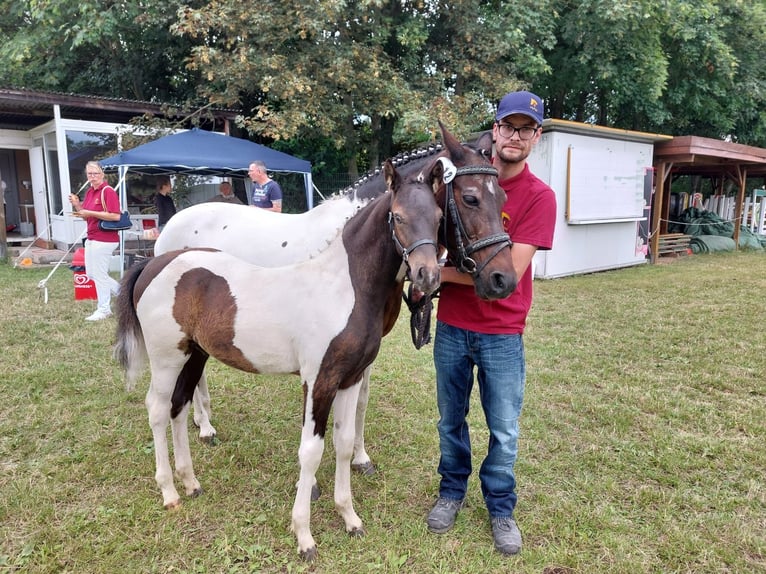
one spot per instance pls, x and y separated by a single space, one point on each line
711 243
710 232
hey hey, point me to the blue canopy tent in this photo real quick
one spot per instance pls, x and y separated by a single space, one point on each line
200 152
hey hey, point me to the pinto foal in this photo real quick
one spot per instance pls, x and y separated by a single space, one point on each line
183 307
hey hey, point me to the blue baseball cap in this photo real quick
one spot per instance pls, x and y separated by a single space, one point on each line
525 103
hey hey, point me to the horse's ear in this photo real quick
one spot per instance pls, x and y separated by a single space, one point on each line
484 144
390 175
437 171
443 171
451 143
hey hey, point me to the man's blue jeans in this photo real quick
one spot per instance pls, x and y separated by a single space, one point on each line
501 372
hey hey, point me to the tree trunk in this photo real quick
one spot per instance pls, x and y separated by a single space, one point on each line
350 139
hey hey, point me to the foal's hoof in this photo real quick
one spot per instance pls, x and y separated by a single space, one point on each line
211 440
173 505
316 492
365 468
357 532
309 555
196 492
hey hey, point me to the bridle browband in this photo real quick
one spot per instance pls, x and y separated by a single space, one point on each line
465 263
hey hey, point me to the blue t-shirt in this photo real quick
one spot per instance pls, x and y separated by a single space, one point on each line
265 195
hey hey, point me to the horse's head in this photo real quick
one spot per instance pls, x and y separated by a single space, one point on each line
414 219
472 228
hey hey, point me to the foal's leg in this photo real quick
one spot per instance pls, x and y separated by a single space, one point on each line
202 414
184 470
361 461
158 407
309 456
343 439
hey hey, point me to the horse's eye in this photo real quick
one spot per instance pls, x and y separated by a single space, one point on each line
398 219
471 200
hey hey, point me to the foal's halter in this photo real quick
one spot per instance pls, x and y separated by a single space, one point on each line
405 251
464 262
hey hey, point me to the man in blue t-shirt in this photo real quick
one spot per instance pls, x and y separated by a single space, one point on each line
265 192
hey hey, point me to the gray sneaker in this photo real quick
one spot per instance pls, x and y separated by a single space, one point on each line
507 535
442 515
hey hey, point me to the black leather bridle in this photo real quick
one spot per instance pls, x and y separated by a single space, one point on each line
464 262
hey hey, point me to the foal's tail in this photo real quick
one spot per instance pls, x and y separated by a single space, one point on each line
130 350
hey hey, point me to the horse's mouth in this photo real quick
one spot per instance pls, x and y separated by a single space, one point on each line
426 280
498 285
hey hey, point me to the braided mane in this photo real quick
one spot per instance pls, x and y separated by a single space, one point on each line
371 184
399 160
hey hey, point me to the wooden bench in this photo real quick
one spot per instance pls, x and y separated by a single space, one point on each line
674 244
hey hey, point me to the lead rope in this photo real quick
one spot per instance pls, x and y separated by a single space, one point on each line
420 315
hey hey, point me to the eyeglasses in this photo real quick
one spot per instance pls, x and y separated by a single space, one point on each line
507 131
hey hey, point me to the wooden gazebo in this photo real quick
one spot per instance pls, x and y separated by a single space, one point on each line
692 155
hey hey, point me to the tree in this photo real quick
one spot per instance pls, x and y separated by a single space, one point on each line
313 68
607 66
351 71
670 66
115 49
716 85
474 52
371 77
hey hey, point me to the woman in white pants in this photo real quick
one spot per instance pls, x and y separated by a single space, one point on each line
100 203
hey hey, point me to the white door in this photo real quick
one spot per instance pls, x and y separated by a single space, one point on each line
39 195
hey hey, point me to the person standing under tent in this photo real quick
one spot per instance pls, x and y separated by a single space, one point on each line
487 335
166 208
265 192
100 203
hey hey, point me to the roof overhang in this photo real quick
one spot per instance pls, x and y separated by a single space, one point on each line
22 109
694 155
579 128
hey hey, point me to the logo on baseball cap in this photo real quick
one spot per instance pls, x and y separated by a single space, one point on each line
525 103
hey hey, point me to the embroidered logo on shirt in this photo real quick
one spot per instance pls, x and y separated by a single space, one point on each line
506 220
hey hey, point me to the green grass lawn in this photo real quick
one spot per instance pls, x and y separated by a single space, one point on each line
643 445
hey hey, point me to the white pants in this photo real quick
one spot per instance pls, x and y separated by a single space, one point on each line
98 255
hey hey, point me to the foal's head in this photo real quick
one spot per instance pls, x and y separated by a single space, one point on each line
414 218
472 228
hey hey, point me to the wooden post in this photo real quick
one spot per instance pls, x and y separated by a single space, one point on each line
742 177
659 186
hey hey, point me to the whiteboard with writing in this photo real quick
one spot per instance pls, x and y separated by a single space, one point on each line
604 185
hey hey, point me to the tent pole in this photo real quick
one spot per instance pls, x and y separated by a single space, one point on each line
308 183
123 171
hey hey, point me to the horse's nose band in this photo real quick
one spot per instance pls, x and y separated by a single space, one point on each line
406 252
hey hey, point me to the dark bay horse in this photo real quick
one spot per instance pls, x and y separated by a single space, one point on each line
322 318
471 230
